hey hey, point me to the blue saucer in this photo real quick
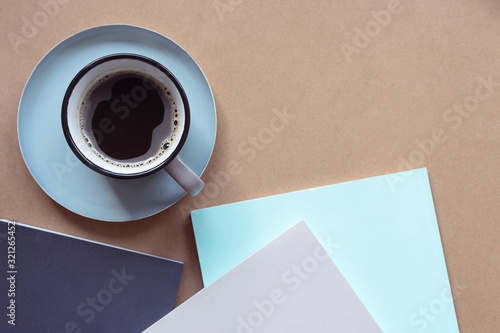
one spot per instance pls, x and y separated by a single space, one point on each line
57 170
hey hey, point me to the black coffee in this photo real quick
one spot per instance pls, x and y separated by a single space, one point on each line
128 118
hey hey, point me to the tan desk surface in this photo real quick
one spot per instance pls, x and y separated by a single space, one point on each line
366 91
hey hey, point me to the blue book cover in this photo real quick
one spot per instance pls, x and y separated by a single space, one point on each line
55 283
381 233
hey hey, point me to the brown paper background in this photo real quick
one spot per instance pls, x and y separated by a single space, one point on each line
353 119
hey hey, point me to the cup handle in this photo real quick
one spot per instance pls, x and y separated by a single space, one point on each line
184 176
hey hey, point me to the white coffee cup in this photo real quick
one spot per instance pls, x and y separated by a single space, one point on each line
127 116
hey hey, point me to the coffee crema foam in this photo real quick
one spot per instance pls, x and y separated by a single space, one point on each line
164 135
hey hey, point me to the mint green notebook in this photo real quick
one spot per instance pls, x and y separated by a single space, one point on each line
381 232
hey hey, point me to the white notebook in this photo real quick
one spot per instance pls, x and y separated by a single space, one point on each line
289 285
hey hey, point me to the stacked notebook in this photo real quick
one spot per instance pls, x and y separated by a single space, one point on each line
63 284
363 256
289 285
262 272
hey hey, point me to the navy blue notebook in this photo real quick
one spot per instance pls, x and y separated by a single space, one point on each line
55 283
